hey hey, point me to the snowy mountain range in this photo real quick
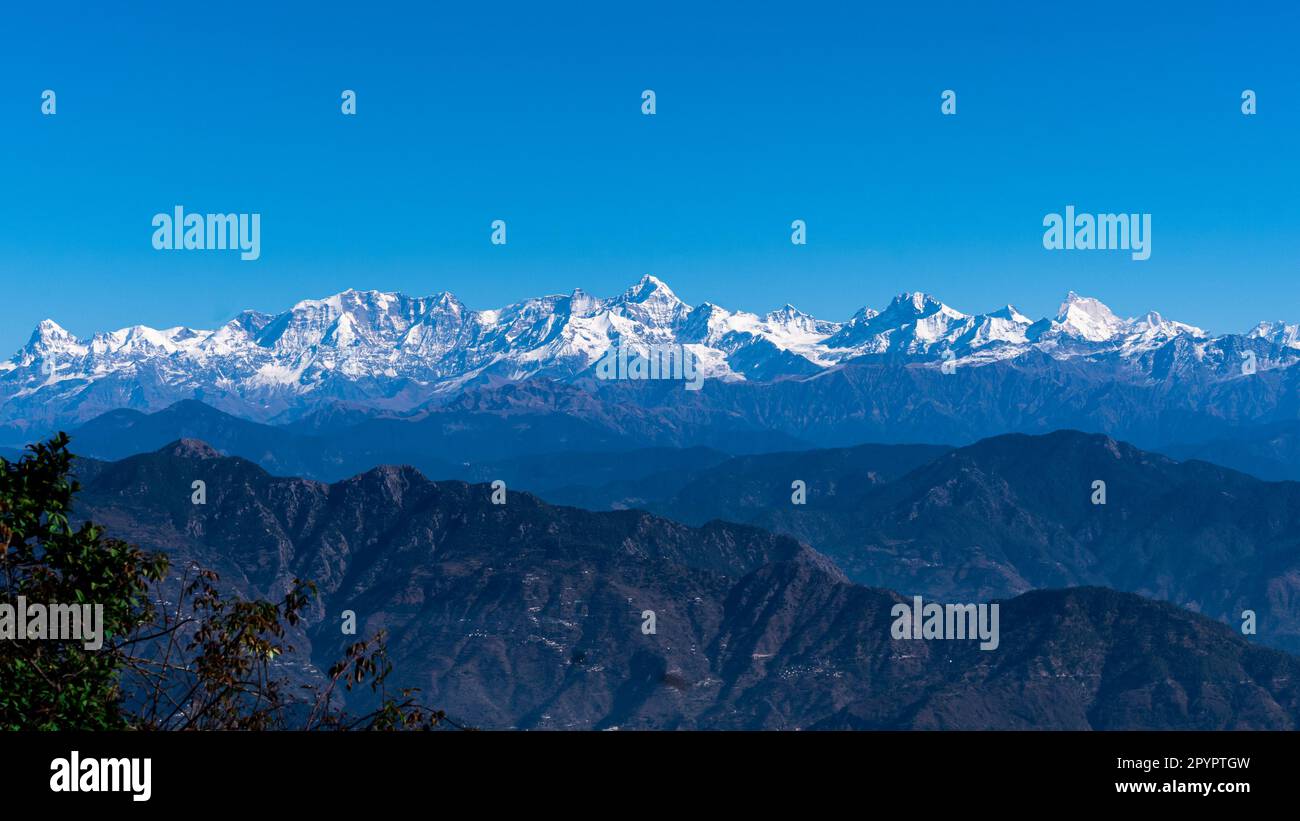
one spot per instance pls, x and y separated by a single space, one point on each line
390 351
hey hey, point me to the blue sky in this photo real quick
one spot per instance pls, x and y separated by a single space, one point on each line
531 113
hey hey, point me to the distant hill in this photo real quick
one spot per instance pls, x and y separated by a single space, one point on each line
536 449
1270 452
1015 513
459 384
529 615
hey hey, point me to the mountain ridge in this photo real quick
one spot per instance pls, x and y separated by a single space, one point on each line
528 615
390 351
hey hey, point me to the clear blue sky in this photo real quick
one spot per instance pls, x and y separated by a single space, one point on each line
530 112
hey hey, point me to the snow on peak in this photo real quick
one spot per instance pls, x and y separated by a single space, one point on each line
1153 324
917 301
650 287
47 330
582 303
912 322
917 304
790 319
650 304
1011 314
1088 318
50 336
1279 333
356 343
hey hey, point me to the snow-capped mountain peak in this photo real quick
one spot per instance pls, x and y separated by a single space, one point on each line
918 303
651 305
48 331
1152 323
1011 314
397 351
49 337
1278 333
650 288
790 320
1088 319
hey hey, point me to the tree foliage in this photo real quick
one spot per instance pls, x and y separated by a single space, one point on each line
178 652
